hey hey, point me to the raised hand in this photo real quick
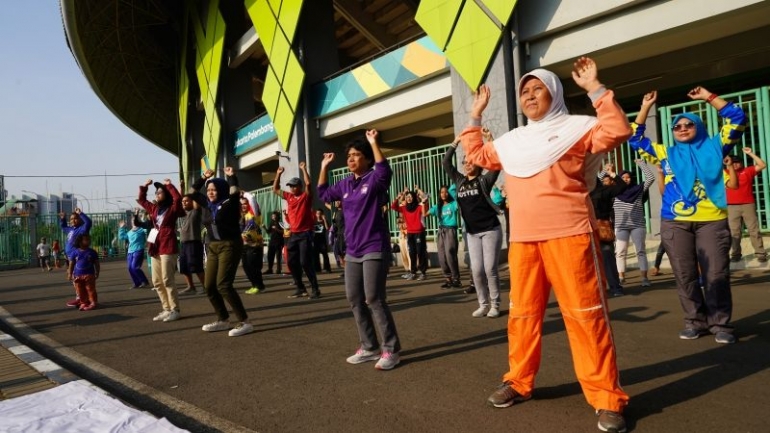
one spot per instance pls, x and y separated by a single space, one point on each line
586 74
229 171
62 215
699 94
649 98
122 224
480 101
747 151
302 165
166 181
372 135
280 171
727 161
78 211
208 174
609 168
327 159
148 182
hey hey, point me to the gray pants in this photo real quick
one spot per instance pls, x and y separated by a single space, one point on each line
446 238
746 213
689 244
484 248
365 290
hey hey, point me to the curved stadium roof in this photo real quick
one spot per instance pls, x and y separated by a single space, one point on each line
127 51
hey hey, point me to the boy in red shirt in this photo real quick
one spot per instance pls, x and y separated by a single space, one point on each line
742 207
300 243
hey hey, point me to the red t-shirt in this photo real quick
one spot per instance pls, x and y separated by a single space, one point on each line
744 194
300 211
413 220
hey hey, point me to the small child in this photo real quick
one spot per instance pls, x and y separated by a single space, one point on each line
44 255
83 271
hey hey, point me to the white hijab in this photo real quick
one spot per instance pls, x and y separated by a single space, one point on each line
528 150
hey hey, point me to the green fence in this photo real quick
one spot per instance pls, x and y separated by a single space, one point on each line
20 234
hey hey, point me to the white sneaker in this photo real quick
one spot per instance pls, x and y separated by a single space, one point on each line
387 361
216 326
241 329
162 315
363 355
493 312
481 312
172 315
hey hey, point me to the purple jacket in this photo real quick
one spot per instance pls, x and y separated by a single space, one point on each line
362 201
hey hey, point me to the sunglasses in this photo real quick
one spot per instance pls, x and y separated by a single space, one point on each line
683 126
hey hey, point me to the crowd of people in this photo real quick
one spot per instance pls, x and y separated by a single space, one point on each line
574 242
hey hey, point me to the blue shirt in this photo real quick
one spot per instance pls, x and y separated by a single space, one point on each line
362 200
84 260
73 232
137 238
448 217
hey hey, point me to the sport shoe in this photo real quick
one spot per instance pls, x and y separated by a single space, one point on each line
315 295
162 315
505 396
481 312
646 282
722 337
411 277
762 259
690 334
457 284
611 421
172 315
362 355
735 259
87 307
187 290
421 277
470 290
219 325
252 291
298 295
387 361
447 284
406 276
616 293
74 303
241 329
493 312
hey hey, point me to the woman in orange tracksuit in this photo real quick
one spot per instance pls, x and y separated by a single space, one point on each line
551 162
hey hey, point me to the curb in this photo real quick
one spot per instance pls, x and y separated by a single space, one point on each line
133 392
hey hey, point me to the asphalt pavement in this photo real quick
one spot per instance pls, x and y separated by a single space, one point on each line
291 375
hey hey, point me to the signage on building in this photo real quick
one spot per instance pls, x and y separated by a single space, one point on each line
253 135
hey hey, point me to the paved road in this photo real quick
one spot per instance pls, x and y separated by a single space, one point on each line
291 374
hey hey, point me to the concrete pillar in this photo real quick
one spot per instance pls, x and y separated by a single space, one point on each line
238 103
653 132
319 57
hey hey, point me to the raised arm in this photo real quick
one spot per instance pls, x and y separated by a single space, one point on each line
476 151
176 197
382 170
648 101
142 198
447 162
734 117
327 193
232 181
759 163
306 177
649 175
732 180
277 182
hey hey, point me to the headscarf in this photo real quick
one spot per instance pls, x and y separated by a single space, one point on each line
528 150
633 191
167 200
413 205
223 193
699 159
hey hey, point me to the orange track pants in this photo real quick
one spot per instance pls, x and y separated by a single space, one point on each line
573 266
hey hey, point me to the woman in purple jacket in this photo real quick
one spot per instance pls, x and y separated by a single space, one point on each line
367 246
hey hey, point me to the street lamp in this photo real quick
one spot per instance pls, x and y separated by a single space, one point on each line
88 203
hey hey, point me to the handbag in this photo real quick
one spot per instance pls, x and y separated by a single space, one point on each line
606 231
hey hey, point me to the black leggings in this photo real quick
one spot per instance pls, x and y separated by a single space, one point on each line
418 252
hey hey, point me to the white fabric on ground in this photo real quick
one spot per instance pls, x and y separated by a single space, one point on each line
76 407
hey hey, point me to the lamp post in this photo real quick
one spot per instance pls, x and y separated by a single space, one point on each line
88 203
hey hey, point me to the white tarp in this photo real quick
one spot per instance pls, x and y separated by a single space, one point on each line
76 407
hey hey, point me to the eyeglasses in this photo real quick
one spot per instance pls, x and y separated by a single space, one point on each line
683 126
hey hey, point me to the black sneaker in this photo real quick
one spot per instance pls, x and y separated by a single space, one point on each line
736 259
722 337
457 284
446 285
505 396
471 289
762 259
298 295
610 421
690 334
314 295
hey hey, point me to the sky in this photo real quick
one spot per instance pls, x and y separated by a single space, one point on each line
53 124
